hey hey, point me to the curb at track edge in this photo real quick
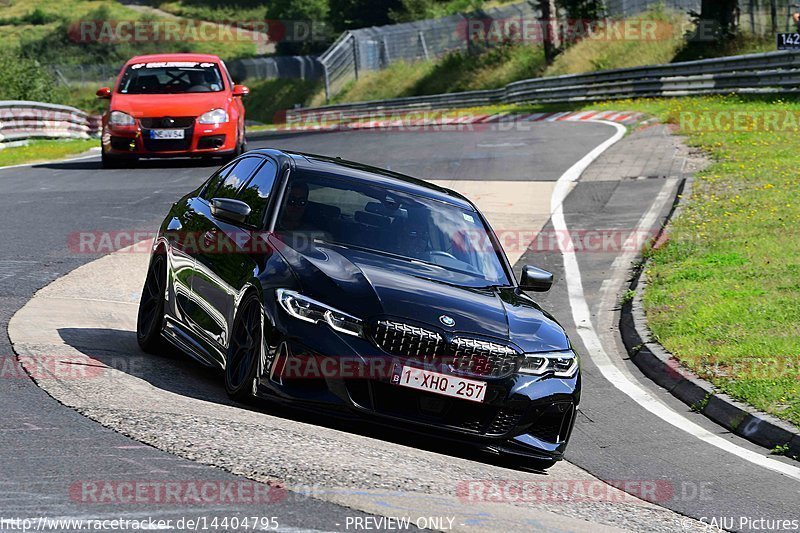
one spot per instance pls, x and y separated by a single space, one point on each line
664 369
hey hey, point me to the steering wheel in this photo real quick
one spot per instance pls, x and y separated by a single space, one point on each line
443 254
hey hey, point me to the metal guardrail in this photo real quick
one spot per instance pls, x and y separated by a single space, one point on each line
375 48
270 67
765 72
20 120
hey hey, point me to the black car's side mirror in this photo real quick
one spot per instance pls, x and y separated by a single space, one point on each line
535 279
230 209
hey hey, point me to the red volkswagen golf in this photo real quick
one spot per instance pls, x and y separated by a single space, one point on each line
173 105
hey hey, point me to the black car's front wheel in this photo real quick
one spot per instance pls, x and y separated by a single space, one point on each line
151 306
244 350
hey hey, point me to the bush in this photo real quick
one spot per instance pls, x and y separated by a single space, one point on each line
269 99
24 79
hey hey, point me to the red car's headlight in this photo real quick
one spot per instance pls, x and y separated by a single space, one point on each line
215 116
118 118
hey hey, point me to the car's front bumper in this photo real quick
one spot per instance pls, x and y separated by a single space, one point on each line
520 415
198 140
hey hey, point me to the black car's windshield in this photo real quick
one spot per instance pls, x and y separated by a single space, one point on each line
372 217
171 77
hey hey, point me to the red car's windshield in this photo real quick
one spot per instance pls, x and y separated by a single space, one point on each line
171 77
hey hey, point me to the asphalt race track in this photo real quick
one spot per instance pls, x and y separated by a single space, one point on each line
49 449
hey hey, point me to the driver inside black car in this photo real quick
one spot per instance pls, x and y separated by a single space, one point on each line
293 225
415 238
294 209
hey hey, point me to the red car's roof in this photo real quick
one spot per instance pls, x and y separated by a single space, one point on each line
174 57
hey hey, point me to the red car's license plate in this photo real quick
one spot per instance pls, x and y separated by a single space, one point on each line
166 134
446 385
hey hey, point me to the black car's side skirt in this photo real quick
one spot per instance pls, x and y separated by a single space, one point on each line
175 335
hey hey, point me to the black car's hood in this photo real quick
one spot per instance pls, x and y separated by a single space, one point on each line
368 285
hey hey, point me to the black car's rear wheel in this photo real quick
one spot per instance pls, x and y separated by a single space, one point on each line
244 350
151 306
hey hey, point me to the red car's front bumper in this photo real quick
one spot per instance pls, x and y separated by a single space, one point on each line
198 139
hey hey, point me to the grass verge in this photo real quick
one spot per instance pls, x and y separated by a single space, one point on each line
44 150
724 292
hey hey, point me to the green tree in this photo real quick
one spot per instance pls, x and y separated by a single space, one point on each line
299 26
582 9
723 14
549 22
410 10
349 14
24 79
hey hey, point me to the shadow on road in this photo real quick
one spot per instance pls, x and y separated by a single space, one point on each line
142 164
173 372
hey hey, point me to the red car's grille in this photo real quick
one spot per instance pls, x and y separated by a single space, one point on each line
166 122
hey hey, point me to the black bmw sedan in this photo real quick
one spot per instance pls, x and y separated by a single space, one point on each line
333 285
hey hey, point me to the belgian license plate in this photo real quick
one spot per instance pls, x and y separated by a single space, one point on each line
446 385
166 134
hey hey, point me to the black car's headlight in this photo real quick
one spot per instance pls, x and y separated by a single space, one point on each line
305 308
560 364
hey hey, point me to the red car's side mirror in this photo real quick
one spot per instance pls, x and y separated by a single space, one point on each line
103 92
240 90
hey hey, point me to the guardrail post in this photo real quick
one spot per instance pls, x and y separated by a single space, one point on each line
327 83
355 55
386 56
424 45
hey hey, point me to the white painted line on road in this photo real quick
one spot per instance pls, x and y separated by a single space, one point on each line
583 324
